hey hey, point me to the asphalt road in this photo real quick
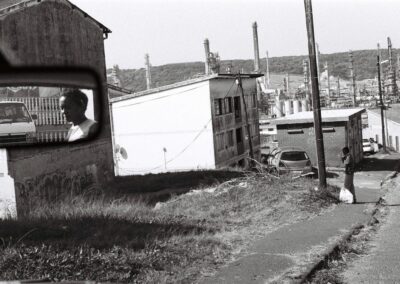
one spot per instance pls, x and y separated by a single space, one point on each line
291 251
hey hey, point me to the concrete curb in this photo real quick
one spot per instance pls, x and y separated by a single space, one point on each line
334 249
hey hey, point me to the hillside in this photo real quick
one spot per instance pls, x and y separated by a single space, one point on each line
364 63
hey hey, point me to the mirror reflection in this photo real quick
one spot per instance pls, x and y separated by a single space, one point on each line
34 114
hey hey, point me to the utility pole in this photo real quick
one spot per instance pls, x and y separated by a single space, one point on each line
378 64
239 82
338 87
315 95
353 78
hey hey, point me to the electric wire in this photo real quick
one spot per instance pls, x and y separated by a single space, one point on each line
186 147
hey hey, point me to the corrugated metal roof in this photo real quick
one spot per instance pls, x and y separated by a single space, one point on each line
328 115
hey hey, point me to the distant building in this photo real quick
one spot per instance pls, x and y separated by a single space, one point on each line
341 127
392 124
191 125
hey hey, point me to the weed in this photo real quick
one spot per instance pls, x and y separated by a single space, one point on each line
125 239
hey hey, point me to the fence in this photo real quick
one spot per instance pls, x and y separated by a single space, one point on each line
47 109
48 112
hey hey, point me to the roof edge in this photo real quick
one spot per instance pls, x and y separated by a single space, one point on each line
182 84
28 3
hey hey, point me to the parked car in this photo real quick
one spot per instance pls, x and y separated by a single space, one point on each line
284 160
368 148
16 124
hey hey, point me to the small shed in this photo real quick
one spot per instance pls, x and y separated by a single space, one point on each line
340 127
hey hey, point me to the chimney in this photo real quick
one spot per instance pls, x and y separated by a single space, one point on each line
392 71
207 51
353 78
267 75
287 84
306 79
256 51
148 73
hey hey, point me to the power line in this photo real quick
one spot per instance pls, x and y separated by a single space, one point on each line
187 146
158 98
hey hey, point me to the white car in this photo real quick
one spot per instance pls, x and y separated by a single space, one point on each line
16 124
368 147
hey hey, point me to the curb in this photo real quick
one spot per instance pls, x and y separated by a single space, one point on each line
334 249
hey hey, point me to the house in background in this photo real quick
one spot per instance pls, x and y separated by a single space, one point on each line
191 125
340 127
392 124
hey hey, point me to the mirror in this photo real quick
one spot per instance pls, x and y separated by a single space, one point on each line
49 106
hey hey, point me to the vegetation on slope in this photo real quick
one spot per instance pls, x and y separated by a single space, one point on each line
364 65
181 240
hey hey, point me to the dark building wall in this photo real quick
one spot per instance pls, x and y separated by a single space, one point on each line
225 121
52 33
334 140
336 136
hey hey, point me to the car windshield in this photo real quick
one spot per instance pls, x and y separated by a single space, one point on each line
294 156
13 112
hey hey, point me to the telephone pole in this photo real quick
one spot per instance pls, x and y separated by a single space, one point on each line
239 82
315 95
378 64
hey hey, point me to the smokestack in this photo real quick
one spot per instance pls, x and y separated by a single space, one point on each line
148 73
306 79
267 75
392 71
256 51
353 78
207 51
287 83
328 80
317 57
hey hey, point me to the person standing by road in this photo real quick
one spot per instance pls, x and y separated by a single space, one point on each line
348 162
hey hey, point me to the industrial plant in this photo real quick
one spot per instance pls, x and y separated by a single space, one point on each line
279 98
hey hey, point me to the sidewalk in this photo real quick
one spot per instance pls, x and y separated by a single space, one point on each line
291 252
382 264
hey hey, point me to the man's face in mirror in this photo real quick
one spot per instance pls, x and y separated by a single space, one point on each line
72 110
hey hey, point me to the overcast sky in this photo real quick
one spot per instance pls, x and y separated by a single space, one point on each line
173 31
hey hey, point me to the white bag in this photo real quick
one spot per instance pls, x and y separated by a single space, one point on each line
346 196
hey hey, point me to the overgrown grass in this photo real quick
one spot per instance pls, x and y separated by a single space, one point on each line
127 240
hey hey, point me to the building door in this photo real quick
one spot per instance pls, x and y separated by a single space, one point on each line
239 141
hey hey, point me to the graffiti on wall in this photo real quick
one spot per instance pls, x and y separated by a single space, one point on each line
55 186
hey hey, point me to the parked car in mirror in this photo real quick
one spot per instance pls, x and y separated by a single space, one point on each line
17 125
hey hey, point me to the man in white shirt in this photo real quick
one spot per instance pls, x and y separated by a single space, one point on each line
73 104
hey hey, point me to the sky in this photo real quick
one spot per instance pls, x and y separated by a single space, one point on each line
173 31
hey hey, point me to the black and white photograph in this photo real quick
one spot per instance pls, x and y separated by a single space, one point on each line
199 141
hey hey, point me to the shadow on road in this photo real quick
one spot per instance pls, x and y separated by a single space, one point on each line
372 163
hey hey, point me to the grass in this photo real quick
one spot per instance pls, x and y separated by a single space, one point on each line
177 241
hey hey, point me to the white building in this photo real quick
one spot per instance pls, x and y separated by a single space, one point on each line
195 124
392 125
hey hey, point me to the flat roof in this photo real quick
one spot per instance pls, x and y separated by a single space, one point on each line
184 83
328 115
